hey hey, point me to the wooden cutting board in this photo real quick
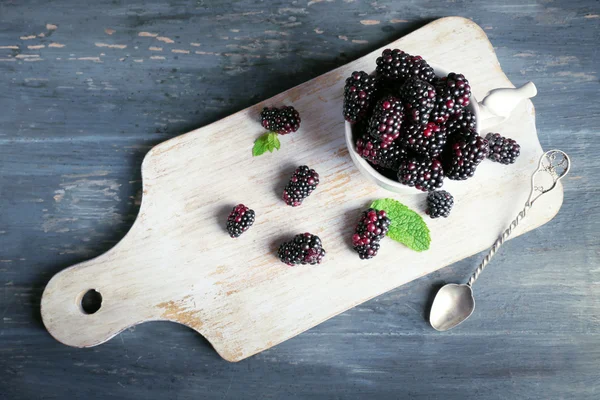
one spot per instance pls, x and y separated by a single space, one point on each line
177 262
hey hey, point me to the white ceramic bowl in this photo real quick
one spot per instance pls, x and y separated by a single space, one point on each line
494 108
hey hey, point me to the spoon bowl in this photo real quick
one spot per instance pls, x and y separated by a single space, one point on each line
452 305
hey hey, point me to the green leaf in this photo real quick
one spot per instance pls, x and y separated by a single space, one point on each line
267 142
407 226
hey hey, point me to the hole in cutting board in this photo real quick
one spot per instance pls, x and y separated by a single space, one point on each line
91 301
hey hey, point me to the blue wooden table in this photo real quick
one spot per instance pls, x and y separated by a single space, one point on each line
86 88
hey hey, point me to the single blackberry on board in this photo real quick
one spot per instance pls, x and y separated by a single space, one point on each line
386 120
301 184
418 98
240 219
456 90
439 203
463 121
428 140
397 65
371 228
305 248
463 153
282 120
386 155
359 93
423 173
503 150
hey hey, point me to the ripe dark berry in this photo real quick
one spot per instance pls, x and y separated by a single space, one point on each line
439 203
418 98
386 120
386 155
463 121
359 93
240 219
282 120
305 248
427 140
463 153
371 228
456 90
301 184
502 149
398 65
424 173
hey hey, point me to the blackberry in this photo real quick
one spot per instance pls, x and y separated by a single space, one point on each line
423 173
240 219
359 92
371 228
386 155
282 120
439 203
455 89
301 184
418 98
305 248
428 140
463 154
386 119
443 108
398 65
463 122
502 149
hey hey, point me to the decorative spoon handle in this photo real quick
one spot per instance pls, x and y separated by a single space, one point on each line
553 165
498 244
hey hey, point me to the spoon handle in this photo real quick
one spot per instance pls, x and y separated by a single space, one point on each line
505 235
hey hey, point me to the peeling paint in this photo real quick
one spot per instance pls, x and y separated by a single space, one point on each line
157 58
36 47
180 51
56 45
27 37
195 44
370 22
165 39
360 41
10 47
319 31
109 31
111 46
397 21
95 59
343 37
51 27
147 34
152 48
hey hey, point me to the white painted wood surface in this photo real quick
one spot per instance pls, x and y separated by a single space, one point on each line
178 263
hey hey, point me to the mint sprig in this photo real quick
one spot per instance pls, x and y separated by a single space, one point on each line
269 141
407 227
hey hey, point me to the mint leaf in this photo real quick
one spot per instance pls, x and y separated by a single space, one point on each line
407 226
267 142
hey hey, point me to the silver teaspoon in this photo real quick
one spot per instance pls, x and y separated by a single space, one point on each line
454 303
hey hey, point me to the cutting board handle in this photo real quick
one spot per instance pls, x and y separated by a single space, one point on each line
63 305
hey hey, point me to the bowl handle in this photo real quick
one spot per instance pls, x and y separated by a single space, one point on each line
496 107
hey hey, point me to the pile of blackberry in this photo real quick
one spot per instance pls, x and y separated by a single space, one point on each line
415 126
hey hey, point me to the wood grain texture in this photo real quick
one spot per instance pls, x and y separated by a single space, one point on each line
83 127
178 264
